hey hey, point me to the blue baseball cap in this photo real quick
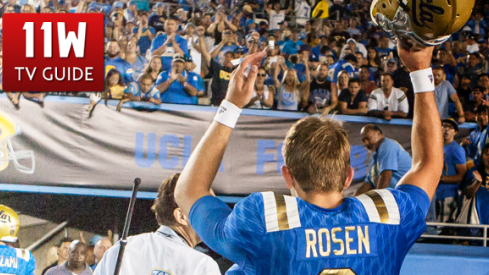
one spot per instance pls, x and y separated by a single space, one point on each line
118 5
132 3
160 5
313 58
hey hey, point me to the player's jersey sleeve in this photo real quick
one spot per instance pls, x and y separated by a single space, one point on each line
133 89
413 205
154 93
231 233
31 265
162 78
373 103
403 103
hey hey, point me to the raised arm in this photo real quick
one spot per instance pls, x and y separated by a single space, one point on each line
426 138
197 176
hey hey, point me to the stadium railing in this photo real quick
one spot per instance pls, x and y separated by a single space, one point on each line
438 225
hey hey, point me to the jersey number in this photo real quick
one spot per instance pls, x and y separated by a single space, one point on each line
337 271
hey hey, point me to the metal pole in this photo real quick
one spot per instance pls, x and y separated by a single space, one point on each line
48 235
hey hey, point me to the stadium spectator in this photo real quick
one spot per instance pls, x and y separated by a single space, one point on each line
464 90
220 73
169 43
389 161
293 45
144 33
444 92
220 24
135 60
142 90
477 23
194 77
353 101
263 94
175 86
194 41
355 47
276 15
471 45
454 169
390 66
373 61
343 81
384 46
478 137
446 59
347 64
63 253
475 67
477 185
291 94
131 12
153 67
99 250
471 106
339 32
157 19
114 61
170 248
484 84
483 48
323 95
388 102
365 83
76 261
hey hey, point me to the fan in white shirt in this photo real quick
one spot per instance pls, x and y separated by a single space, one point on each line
388 102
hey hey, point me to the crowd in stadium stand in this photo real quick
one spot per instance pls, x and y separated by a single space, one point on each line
323 57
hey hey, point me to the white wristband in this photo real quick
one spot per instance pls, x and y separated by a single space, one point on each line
423 81
227 114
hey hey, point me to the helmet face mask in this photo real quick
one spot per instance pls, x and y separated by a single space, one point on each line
400 26
7 151
428 22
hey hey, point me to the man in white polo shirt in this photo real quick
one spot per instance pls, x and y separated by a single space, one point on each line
169 250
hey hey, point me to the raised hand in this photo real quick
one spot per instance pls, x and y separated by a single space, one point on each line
414 56
240 87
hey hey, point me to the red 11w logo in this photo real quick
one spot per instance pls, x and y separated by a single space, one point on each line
56 52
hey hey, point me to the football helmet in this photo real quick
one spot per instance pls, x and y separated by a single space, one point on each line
429 22
8 130
9 224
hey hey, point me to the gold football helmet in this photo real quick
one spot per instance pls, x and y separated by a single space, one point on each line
9 224
429 22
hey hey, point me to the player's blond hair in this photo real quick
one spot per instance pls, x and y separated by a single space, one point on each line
317 153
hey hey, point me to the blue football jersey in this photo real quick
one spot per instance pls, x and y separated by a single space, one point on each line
16 261
267 233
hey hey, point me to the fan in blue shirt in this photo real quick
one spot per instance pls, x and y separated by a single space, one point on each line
175 85
168 44
114 61
143 90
